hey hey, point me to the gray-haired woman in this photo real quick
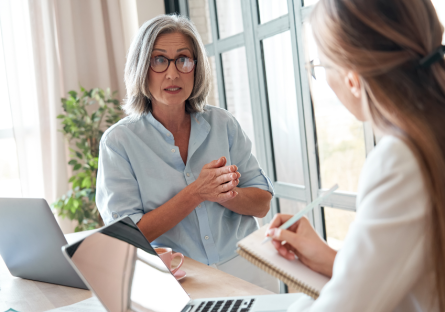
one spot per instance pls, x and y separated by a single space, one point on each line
181 170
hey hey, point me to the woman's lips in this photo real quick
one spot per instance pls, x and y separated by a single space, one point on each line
173 90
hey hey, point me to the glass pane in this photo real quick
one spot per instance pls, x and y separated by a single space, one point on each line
337 222
270 10
283 108
289 206
236 85
200 16
5 108
230 19
309 2
9 169
341 140
213 98
440 8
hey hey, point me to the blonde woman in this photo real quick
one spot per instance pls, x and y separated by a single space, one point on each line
183 171
385 62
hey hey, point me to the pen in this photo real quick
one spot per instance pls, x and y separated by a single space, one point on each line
308 208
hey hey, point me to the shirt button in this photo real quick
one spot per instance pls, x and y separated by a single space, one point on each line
206 237
115 215
173 150
168 134
199 206
188 174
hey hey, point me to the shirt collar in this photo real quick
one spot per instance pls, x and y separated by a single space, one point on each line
158 126
198 133
200 128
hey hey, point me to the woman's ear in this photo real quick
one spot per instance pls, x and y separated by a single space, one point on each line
352 81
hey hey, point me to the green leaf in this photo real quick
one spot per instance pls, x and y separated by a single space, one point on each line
77 167
73 94
61 116
79 155
81 174
86 182
72 162
72 179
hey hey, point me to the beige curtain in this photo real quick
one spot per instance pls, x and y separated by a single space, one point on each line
51 47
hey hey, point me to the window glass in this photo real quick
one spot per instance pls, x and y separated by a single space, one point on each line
5 110
230 19
283 108
289 206
340 136
440 8
9 169
310 2
337 222
270 10
213 98
236 85
200 16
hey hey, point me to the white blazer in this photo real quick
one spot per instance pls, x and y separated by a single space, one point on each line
384 263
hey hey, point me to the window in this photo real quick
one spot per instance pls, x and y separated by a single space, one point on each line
440 8
9 170
258 51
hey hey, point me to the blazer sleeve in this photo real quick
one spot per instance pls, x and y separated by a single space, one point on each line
117 192
241 155
384 252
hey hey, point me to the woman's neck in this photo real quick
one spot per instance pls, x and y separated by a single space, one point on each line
173 118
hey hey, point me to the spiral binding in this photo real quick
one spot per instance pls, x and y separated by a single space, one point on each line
278 273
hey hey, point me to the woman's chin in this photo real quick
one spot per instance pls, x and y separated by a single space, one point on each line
171 103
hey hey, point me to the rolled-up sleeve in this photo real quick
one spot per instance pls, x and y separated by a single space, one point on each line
241 155
117 192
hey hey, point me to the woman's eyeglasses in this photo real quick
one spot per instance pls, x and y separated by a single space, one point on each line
310 66
184 64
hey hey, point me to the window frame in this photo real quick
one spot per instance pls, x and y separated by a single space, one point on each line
251 38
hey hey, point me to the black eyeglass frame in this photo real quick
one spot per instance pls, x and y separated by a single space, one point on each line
175 60
310 67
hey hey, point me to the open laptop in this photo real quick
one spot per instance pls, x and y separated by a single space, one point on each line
124 272
30 242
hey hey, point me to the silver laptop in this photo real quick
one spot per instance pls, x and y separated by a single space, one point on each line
30 242
124 272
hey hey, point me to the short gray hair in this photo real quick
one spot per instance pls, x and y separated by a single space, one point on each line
138 99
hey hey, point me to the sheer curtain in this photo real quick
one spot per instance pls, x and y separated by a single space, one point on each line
49 48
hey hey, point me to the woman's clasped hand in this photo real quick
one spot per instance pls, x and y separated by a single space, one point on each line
216 181
302 240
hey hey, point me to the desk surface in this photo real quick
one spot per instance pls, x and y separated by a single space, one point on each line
201 281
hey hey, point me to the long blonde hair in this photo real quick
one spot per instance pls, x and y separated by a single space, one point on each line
383 41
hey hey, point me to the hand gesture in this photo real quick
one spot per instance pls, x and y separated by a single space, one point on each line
302 241
216 182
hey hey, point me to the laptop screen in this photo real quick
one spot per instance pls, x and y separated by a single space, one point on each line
125 272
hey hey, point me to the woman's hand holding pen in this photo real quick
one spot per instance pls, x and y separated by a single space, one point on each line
302 241
216 182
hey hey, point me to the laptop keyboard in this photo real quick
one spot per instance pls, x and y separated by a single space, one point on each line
225 306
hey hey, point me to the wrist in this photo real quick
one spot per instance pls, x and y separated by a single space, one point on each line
329 264
193 194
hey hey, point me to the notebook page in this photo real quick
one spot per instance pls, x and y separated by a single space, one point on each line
267 253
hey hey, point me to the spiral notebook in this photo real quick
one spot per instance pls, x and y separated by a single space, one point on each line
293 273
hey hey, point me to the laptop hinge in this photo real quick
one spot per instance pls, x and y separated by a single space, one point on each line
187 308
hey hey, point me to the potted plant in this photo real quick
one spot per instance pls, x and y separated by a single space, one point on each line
84 126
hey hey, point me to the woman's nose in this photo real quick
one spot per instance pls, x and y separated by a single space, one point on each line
172 73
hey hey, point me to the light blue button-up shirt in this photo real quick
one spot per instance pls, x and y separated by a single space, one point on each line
140 169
